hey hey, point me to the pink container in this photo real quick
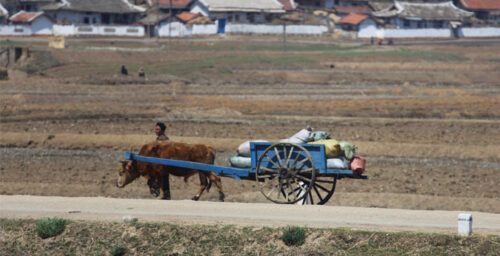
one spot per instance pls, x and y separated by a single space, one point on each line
358 164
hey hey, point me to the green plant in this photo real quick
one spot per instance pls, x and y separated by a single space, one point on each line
294 236
48 227
118 250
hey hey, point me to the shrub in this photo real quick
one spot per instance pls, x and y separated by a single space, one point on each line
48 227
118 250
294 236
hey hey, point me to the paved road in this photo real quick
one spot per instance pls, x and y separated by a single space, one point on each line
202 212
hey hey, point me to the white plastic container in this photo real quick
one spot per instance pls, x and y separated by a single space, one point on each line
464 224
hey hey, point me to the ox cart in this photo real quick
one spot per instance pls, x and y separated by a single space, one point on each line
287 173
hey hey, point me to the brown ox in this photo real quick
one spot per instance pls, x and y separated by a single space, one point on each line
132 169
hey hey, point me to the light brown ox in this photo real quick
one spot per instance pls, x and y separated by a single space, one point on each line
132 169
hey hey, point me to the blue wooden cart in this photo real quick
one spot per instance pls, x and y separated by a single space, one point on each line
287 173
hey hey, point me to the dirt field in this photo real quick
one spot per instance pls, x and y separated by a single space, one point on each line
425 115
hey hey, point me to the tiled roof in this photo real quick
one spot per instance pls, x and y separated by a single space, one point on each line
175 3
3 11
96 6
25 17
187 16
353 19
288 5
481 4
431 11
266 6
363 9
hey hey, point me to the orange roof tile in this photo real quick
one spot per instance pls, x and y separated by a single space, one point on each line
187 16
481 4
24 17
353 19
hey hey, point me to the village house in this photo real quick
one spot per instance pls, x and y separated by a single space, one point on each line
352 22
411 15
94 12
238 11
38 22
485 10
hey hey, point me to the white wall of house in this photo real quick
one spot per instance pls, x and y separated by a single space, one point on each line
275 29
368 31
15 30
175 29
42 26
98 30
367 28
204 29
479 32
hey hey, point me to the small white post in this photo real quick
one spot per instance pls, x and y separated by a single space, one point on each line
464 224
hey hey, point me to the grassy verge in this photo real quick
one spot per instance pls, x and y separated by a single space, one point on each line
18 237
400 52
8 42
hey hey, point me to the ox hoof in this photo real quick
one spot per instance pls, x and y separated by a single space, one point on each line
195 198
221 197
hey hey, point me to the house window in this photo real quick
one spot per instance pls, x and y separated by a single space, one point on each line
437 24
251 17
406 23
86 20
94 20
420 25
236 17
230 18
318 3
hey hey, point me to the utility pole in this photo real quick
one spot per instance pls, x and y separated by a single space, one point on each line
157 25
170 24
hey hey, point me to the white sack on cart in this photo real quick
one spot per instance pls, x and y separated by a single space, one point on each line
338 163
304 136
244 148
240 161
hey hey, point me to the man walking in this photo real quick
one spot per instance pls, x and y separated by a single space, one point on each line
160 133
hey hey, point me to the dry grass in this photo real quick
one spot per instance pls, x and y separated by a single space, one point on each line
85 238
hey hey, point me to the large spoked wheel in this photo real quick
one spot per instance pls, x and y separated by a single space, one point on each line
286 173
321 190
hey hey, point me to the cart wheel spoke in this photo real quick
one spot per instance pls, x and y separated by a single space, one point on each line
308 170
271 161
305 179
317 193
278 156
321 187
287 162
269 170
311 198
